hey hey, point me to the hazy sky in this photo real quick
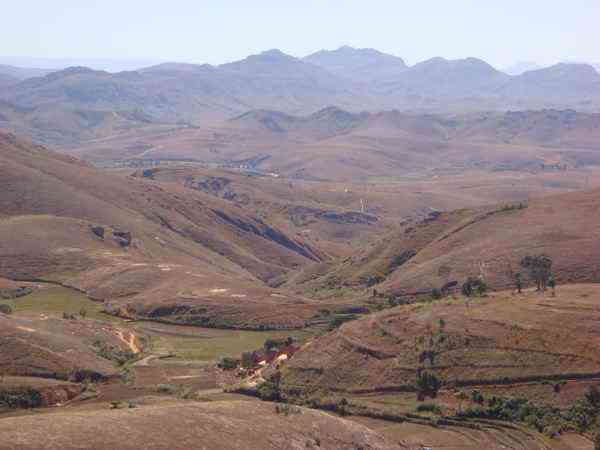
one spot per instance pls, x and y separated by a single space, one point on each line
499 31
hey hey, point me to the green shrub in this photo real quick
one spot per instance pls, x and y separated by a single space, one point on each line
227 363
5 309
372 280
170 389
340 319
477 397
474 286
428 385
429 407
269 389
112 353
247 360
20 397
286 410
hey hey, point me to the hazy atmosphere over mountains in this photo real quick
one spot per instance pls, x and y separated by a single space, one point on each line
320 225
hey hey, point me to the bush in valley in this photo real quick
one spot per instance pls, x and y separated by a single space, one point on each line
112 353
596 440
340 319
247 360
273 344
286 410
227 363
372 280
118 404
429 407
169 389
512 207
474 286
436 294
519 282
268 390
401 259
22 397
477 397
5 309
592 395
427 385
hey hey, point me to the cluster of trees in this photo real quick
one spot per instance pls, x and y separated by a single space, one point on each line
540 271
474 287
582 416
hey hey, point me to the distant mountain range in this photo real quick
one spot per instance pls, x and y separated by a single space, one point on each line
60 107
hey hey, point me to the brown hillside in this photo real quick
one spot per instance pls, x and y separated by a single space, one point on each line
333 144
498 339
161 244
488 242
57 348
182 426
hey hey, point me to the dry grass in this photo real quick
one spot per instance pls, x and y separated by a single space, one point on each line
498 339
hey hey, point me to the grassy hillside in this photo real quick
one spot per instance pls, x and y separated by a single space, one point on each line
489 243
500 339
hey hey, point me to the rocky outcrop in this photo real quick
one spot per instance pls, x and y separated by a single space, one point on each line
263 230
123 238
11 293
301 215
97 230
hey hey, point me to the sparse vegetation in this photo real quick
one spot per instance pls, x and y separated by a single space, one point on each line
427 385
112 353
474 287
477 397
269 389
286 409
228 363
20 397
340 319
580 417
429 407
519 282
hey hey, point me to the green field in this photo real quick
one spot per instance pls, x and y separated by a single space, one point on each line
207 344
54 300
186 343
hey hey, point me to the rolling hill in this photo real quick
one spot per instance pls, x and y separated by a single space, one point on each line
499 340
130 242
60 349
487 242
183 425
334 144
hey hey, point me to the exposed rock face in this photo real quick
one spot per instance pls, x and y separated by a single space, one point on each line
123 238
301 215
10 293
98 231
261 229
